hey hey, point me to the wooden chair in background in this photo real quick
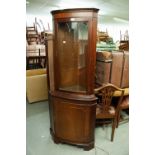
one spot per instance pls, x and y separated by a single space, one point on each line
105 109
124 105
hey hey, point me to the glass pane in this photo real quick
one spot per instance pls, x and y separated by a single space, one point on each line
72 42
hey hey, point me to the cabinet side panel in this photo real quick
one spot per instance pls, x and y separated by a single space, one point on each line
49 47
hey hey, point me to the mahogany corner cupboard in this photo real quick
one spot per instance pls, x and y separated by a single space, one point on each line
72 103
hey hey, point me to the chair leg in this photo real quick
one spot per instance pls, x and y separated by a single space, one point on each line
113 128
118 118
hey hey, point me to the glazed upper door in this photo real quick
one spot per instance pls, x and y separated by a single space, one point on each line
71 53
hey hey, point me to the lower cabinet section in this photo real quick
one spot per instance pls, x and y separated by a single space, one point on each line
73 121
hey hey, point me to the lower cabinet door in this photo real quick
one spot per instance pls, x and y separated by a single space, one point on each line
74 121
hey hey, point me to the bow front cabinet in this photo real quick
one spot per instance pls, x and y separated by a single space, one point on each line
72 103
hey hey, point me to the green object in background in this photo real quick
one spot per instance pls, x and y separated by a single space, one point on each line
104 46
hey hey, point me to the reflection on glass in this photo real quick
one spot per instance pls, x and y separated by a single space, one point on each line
71 50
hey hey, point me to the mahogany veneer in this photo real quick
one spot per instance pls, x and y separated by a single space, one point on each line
72 103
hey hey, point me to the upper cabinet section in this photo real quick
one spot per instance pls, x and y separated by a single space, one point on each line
74 49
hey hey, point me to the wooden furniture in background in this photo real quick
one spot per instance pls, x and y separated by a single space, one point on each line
44 35
124 45
105 109
123 106
113 67
72 103
35 61
35 56
32 35
102 36
124 41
